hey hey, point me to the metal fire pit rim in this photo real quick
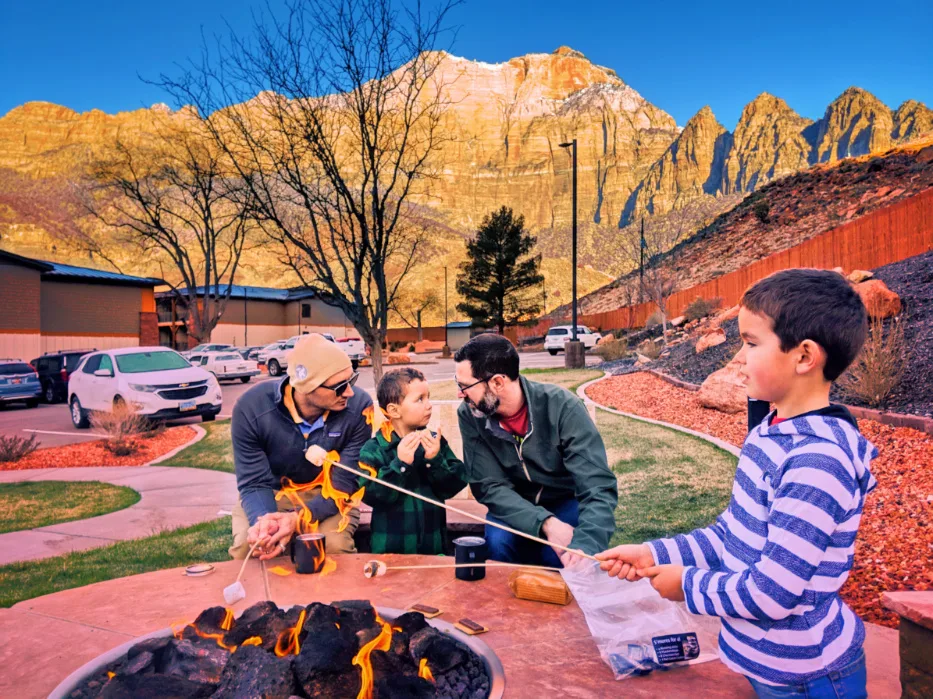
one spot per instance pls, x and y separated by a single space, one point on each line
477 645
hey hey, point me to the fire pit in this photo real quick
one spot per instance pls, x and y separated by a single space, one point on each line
345 649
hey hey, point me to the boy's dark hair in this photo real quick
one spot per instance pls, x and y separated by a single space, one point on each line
489 355
813 304
394 385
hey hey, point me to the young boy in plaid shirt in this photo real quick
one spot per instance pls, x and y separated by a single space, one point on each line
405 453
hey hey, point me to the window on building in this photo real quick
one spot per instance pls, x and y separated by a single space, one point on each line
306 310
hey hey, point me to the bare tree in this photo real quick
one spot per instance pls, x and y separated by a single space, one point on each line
409 306
659 276
177 199
332 114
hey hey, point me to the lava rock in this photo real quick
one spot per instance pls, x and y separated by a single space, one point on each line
199 662
253 672
403 687
154 687
442 652
319 614
411 622
355 615
324 666
140 664
210 620
268 627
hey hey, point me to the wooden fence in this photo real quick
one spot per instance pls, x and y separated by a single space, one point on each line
879 238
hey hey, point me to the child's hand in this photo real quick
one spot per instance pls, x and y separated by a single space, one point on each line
408 446
667 580
432 445
624 561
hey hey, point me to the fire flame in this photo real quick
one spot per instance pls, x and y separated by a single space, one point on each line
424 672
228 620
345 501
381 642
376 419
252 641
287 642
111 675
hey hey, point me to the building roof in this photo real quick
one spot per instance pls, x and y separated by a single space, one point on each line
460 324
59 272
259 293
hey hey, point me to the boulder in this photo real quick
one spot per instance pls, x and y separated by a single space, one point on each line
398 358
642 359
724 390
606 339
859 275
880 301
428 346
678 321
839 270
724 316
711 339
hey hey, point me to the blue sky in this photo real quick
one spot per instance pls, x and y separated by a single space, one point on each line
679 55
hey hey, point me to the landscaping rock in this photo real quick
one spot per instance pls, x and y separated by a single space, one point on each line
724 390
711 339
725 316
880 301
678 321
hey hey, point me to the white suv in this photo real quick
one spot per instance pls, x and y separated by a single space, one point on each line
560 334
156 382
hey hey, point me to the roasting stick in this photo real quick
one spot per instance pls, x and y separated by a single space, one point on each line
376 568
311 453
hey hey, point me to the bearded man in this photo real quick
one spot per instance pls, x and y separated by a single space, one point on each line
533 456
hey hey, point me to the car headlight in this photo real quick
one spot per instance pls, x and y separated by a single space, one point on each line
142 388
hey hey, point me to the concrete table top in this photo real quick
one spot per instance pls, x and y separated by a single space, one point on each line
546 650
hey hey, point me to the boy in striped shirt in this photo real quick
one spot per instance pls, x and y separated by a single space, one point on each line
772 564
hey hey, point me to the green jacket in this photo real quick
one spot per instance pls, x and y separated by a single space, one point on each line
561 457
401 523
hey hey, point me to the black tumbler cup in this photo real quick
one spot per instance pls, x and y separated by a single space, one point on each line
308 553
470 549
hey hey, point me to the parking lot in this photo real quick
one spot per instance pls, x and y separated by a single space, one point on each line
51 424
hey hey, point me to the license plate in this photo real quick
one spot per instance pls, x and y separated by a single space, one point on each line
16 381
188 405
242 367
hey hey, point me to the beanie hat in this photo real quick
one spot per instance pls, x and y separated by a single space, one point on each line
313 360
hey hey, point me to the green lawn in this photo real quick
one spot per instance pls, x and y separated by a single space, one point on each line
214 452
29 505
205 542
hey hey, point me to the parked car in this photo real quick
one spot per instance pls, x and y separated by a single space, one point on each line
354 348
226 365
274 356
19 382
245 352
207 347
156 382
54 368
560 334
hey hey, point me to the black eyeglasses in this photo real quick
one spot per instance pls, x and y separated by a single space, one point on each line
464 389
340 388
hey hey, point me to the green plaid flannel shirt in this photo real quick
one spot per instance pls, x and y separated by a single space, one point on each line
401 523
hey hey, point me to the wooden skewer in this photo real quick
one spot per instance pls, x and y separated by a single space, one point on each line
488 564
477 518
245 561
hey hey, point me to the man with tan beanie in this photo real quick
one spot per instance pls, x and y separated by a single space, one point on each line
273 425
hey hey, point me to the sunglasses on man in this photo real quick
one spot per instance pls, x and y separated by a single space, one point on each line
340 388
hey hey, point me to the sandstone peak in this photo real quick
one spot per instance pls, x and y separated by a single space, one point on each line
161 108
567 51
911 120
856 122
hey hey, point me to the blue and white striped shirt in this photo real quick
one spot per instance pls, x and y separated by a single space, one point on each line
772 564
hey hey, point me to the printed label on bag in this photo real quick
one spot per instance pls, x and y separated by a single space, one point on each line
676 647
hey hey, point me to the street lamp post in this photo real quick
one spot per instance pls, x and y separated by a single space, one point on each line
446 351
574 350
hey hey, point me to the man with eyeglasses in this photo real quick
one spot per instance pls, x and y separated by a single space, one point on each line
274 423
533 456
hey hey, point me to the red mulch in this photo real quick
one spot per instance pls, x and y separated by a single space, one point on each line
94 453
894 549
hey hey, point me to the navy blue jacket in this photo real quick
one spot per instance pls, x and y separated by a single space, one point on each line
268 445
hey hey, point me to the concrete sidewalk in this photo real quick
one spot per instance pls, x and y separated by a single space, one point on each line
170 498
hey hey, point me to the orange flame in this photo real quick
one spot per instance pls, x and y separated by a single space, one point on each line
287 642
345 501
424 672
376 419
111 675
330 565
381 642
228 620
252 641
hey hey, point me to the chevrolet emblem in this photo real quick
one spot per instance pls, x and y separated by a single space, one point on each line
184 385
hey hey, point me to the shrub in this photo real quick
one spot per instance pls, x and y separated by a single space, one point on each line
612 350
14 448
650 349
120 426
154 429
880 366
700 308
411 348
762 210
654 320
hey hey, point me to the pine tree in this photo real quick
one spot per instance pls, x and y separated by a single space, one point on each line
498 272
